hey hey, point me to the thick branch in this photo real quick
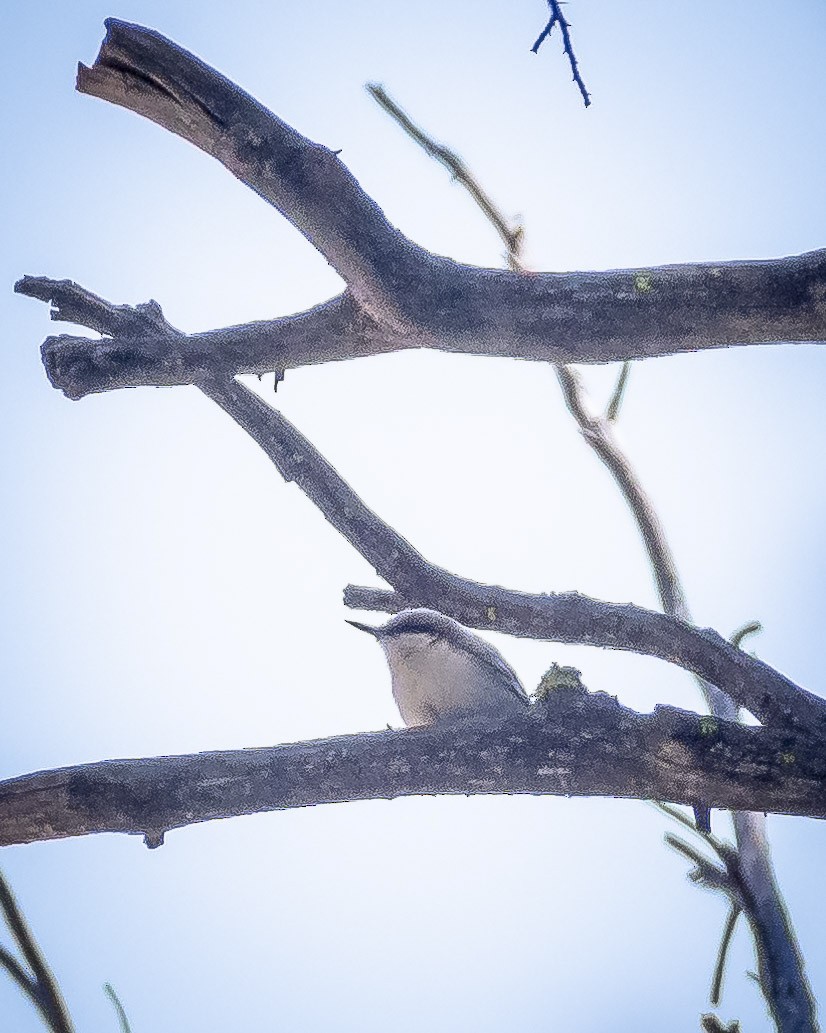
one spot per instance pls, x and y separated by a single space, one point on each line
573 744
557 317
138 351
417 299
143 71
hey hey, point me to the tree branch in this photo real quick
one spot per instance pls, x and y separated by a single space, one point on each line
400 296
562 618
557 317
41 986
558 18
140 351
573 744
143 71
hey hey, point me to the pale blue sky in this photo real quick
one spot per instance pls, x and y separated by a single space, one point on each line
166 592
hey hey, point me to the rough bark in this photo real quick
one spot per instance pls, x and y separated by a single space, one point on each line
398 295
572 744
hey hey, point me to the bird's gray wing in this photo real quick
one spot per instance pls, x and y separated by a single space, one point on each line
490 657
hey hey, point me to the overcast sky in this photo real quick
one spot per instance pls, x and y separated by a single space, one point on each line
167 593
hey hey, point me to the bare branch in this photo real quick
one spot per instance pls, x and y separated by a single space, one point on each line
722 953
557 317
42 986
782 977
706 873
139 350
558 18
566 617
143 71
511 236
25 982
613 407
123 1018
400 296
599 436
573 743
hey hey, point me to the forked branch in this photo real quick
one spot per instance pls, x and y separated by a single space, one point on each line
566 617
398 295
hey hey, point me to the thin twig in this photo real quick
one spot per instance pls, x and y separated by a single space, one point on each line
725 941
558 18
612 410
23 979
724 851
44 989
511 236
712 1024
123 1019
752 628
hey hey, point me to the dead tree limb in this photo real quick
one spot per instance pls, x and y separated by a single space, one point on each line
398 295
572 744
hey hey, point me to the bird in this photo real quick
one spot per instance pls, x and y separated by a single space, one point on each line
441 672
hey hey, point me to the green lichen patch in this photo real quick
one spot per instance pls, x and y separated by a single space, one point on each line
557 677
643 283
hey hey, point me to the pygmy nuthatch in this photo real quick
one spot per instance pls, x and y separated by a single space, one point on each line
440 671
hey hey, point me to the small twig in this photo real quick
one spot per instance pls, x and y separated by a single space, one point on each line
512 236
728 880
706 872
725 941
558 18
752 628
612 411
23 979
672 812
543 35
711 1024
42 988
724 851
123 1019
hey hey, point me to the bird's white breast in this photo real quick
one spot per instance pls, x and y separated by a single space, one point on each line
432 681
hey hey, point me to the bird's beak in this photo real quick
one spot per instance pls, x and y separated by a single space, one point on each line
365 627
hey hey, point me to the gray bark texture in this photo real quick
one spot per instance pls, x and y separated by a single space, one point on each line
572 743
397 294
